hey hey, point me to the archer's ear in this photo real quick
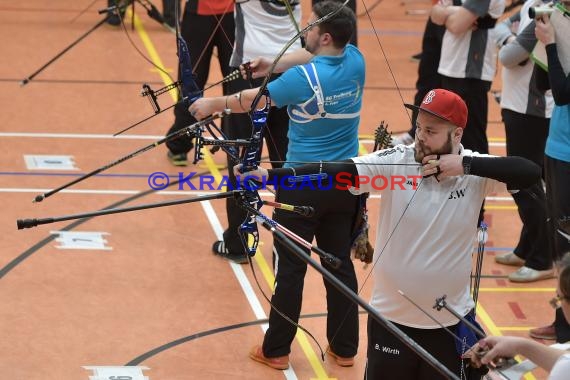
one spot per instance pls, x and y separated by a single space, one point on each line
458 134
326 39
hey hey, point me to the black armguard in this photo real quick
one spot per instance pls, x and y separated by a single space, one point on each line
332 169
517 172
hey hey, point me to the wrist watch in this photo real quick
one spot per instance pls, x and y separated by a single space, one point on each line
467 164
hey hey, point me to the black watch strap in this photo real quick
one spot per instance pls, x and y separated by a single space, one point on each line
467 164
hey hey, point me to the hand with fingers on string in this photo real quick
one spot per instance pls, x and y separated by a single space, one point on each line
494 351
257 174
442 166
261 67
256 68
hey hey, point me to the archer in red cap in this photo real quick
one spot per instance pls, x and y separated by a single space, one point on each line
441 120
429 254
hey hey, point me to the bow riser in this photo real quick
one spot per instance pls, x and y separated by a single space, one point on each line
250 160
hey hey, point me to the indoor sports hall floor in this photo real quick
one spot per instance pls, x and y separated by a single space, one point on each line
143 289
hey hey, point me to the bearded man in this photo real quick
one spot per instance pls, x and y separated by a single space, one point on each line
426 232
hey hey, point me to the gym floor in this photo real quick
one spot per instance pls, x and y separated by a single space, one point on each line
143 288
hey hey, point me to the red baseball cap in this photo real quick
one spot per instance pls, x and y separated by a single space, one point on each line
444 104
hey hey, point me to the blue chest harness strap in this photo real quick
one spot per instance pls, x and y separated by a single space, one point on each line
314 108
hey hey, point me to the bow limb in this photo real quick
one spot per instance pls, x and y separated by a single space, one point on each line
293 21
189 91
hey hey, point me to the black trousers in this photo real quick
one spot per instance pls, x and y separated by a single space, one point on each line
557 202
428 77
561 327
558 206
202 34
169 11
474 93
238 126
389 358
331 225
526 137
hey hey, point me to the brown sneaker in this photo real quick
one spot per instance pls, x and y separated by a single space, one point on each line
509 259
280 362
341 361
544 332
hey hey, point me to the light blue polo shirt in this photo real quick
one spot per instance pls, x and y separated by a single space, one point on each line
341 80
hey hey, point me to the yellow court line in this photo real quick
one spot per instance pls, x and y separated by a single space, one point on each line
514 328
154 56
211 165
362 150
494 330
499 208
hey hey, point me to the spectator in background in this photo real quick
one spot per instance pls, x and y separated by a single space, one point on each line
526 111
557 162
206 24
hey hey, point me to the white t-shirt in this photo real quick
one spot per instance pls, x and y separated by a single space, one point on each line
561 369
519 92
461 53
262 29
428 252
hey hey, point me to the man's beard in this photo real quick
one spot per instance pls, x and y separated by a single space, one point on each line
420 153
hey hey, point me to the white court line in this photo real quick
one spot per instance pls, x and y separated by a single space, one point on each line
131 137
136 137
116 192
79 136
242 278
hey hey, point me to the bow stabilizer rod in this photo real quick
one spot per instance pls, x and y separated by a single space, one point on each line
190 130
29 223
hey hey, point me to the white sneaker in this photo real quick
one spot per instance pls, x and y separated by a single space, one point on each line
526 274
509 259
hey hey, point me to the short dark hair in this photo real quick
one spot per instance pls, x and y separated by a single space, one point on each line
341 26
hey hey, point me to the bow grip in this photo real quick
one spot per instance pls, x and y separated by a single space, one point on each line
252 154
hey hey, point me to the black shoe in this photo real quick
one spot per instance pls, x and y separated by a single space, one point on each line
115 16
178 159
496 96
416 57
219 249
170 21
114 20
